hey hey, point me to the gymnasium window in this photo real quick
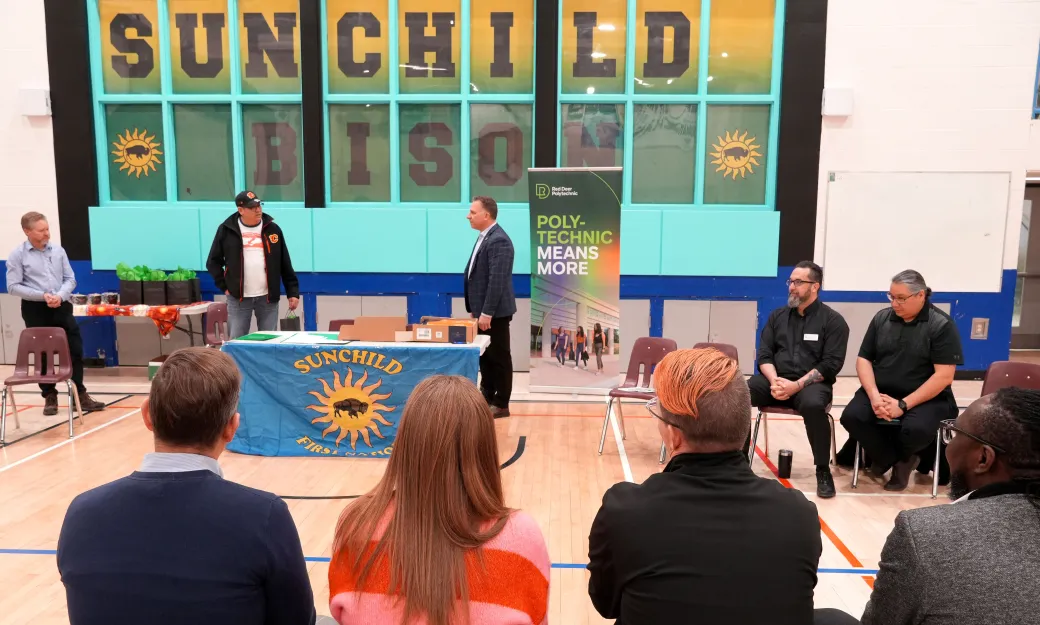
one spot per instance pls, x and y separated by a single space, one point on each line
683 95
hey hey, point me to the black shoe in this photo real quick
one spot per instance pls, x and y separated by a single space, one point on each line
901 474
500 413
824 484
89 404
50 405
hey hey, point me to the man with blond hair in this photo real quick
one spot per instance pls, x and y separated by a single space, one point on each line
39 273
175 542
675 547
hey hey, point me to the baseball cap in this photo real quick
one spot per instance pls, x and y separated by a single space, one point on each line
247 199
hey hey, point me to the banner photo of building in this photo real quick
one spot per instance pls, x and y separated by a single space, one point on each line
575 278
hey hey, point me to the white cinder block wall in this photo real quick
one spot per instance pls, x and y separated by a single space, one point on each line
26 143
939 86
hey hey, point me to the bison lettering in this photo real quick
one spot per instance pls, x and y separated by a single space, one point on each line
353 407
736 152
138 150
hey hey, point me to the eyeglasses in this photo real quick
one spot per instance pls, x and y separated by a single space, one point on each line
951 431
900 299
800 283
654 408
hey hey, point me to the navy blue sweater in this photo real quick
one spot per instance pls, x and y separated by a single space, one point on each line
185 548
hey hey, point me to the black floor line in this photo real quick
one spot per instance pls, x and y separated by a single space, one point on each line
60 423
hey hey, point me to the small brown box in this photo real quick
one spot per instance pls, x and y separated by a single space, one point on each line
446 331
376 329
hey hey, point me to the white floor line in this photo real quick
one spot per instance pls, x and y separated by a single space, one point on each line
67 441
841 494
626 468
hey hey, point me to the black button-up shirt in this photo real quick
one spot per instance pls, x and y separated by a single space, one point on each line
904 353
796 344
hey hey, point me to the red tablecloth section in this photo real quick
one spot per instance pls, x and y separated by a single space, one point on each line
165 317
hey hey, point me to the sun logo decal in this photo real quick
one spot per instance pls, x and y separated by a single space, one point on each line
353 409
137 152
735 154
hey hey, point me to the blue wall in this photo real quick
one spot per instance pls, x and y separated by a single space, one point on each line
430 294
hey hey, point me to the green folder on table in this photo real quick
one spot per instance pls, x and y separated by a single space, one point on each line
257 336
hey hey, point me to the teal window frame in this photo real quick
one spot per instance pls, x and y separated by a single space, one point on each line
701 99
465 98
168 99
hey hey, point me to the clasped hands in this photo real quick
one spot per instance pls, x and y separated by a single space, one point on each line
886 407
53 301
783 389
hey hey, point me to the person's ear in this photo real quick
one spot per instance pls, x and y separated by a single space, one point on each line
146 416
231 428
987 458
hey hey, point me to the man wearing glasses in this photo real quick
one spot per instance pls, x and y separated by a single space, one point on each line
905 367
801 351
249 262
977 561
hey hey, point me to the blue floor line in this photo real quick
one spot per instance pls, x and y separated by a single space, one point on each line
555 565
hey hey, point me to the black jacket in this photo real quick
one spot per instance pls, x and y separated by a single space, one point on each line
225 259
489 287
706 541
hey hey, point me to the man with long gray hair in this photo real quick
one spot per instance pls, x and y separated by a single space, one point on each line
905 367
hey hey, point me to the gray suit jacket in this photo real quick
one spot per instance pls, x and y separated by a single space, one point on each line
975 562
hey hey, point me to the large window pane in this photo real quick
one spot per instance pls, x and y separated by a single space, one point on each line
592 135
273 136
359 146
664 159
500 150
129 45
741 46
199 49
430 153
429 45
737 150
667 46
358 56
269 45
205 152
501 46
593 52
137 165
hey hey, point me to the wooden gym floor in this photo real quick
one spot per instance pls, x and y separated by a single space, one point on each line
557 477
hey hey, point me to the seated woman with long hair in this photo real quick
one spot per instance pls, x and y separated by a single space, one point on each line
433 543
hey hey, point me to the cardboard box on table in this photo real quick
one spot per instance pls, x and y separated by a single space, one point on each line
376 329
445 330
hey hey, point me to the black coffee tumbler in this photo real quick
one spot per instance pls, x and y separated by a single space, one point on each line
784 464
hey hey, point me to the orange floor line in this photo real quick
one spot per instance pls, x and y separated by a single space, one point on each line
826 529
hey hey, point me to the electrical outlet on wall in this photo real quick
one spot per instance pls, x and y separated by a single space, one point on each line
979 328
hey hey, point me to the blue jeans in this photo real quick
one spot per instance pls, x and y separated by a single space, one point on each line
240 314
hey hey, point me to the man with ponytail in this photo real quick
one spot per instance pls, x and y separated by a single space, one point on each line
978 561
674 548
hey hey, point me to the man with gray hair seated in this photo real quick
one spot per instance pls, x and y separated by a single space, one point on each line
905 367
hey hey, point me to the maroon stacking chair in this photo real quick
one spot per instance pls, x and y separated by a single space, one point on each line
48 346
725 348
215 324
646 353
1005 373
336 324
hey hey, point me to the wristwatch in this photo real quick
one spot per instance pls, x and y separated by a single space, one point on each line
902 405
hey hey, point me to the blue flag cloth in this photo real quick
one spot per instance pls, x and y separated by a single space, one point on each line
332 399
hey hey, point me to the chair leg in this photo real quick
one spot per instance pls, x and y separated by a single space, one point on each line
664 452
855 467
834 441
754 440
935 467
606 424
621 421
14 409
72 405
3 417
765 430
79 407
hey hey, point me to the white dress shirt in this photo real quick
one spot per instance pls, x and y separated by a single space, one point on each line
178 463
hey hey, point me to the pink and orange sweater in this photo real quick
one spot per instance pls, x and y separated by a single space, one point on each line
514 590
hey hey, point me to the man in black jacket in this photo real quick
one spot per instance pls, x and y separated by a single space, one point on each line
680 547
249 261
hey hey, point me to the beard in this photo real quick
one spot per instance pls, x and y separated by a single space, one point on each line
794 301
958 486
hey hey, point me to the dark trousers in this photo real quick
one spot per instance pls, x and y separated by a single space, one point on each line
887 443
830 616
810 402
40 315
496 364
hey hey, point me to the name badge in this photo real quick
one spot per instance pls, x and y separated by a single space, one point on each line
812 337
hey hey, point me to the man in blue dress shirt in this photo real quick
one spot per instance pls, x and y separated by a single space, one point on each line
39 272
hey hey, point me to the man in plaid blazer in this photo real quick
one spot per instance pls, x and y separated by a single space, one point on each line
490 299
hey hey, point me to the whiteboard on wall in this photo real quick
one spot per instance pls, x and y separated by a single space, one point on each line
950 226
